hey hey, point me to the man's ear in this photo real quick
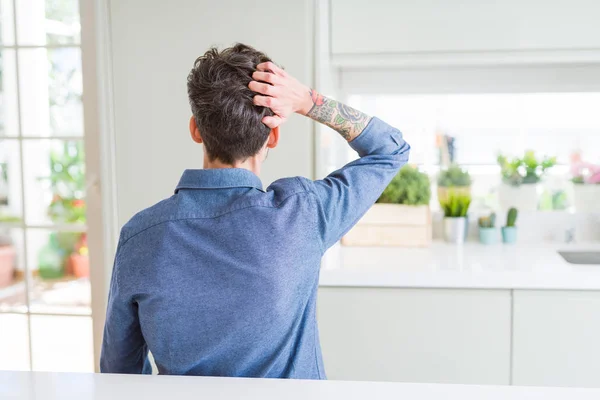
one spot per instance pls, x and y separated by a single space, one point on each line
194 130
273 138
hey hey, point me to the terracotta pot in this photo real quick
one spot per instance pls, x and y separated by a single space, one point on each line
7 265
80 265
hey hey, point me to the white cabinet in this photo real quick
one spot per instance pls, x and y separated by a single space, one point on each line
416 335
461 336
556 338
430 26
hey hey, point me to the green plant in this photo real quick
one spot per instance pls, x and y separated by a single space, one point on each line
3 181
585 173
560 200
553 200
67 183
62 10
454 175
487 222
409 187
456 205
5 237
11 219
511 217
526 170
4 172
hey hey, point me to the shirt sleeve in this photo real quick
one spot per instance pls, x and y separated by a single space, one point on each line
345 195
124 350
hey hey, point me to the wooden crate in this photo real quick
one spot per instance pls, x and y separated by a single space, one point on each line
392 225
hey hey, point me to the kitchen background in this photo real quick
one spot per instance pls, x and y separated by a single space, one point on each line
500 108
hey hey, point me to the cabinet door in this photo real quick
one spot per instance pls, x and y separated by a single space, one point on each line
556 338
415 335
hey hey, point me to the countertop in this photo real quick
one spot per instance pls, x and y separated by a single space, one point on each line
472 266
63 386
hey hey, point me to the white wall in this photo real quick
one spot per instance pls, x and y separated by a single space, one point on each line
154 44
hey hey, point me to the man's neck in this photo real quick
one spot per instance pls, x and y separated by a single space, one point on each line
252 164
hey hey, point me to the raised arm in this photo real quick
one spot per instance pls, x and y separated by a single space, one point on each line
346 120
345 195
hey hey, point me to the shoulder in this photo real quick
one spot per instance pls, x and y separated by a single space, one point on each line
284 188
160 212
293 185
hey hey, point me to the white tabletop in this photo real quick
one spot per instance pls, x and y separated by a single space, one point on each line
62 386
471 266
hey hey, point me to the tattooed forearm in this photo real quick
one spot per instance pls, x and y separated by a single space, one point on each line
346 120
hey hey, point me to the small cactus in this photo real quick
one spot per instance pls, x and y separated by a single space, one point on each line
488 222
511 218
492 220
483 222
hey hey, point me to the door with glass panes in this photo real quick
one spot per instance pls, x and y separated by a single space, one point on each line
45 290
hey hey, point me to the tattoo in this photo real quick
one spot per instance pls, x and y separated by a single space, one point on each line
346 120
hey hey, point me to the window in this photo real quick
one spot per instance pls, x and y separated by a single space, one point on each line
45 291
485 125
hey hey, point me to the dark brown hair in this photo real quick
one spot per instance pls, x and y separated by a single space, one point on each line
229 123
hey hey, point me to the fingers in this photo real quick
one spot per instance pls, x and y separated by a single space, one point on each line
265 101
262 88
273 122
271 74
266 77
269 66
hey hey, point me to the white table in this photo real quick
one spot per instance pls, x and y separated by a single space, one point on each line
65 386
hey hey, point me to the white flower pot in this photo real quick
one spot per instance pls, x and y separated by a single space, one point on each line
587 198
455 229
522 197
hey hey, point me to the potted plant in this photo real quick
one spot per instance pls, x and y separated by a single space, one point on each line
7 251
79 260
401 216
586 187
453 178
7 264
520 178
455 209
51 259
67 183
487 229
509 232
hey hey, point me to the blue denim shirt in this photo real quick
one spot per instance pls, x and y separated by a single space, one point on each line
221 278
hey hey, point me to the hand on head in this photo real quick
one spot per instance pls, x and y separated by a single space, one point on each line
279 91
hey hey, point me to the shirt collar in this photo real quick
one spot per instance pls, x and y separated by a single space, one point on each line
225 178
